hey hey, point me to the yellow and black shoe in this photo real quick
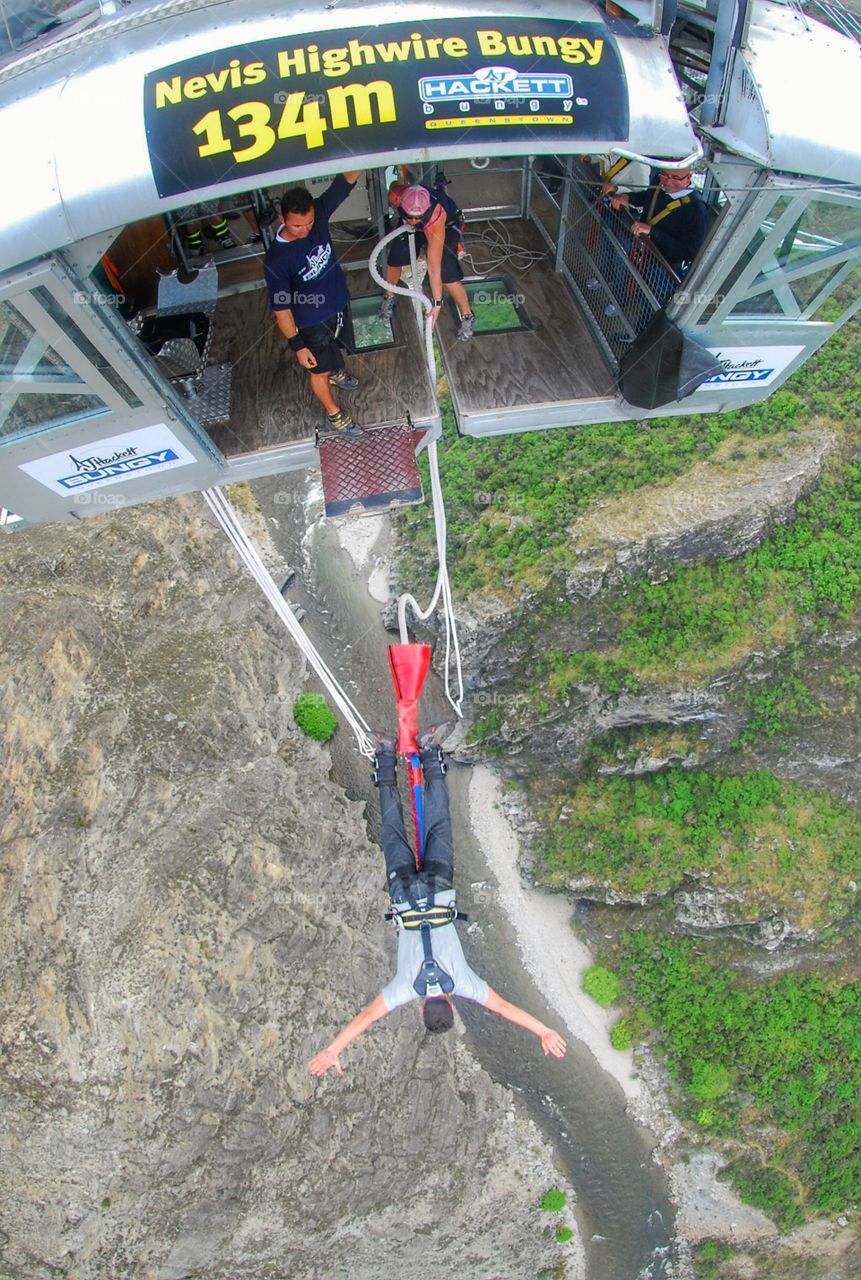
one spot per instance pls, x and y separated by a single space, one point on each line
346 381
341 424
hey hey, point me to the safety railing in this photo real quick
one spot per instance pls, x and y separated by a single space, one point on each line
620 280
545 183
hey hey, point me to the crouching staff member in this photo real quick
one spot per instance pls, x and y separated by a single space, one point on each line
308 292
431 963
436 221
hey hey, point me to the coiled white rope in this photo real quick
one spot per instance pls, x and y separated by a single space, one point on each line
250 557
443 587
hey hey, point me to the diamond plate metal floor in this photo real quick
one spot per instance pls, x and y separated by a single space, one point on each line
371 474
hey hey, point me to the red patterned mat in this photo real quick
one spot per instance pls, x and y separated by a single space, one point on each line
373 473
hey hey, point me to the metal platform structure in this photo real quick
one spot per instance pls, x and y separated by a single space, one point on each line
117 119
376 472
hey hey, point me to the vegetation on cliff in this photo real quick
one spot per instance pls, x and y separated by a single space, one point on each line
786 1052
511 501
783 845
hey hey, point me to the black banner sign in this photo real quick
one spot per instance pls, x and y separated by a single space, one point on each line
282 104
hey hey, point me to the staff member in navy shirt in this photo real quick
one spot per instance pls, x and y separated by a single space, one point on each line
308 292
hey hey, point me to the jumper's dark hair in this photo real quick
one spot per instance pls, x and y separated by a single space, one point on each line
296 200
438 1014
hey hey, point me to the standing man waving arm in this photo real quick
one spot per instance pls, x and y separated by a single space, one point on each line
308 292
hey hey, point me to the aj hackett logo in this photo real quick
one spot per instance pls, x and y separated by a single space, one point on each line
748 366
743 371
95 469
114 460
494 82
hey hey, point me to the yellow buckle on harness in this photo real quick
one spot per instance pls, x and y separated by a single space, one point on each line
435 916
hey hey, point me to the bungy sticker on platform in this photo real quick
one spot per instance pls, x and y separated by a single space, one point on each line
103 462
747 367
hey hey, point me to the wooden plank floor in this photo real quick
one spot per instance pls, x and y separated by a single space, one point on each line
271 401
557 361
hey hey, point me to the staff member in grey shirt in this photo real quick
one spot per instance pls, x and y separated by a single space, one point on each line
431 963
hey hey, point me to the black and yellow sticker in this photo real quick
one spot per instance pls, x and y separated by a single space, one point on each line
276 105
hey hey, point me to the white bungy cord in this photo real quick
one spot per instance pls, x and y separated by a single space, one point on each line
250 556
443 587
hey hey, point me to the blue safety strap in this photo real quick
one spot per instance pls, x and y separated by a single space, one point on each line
415 762
432 980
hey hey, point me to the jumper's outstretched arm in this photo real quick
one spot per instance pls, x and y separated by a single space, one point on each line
330 1057
551 1041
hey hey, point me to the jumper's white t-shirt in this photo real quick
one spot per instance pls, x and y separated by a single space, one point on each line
448 954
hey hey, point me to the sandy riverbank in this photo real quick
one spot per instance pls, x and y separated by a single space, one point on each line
551 952
359 539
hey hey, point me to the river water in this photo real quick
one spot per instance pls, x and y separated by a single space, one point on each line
623 1207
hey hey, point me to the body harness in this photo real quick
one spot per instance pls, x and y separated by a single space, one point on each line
654 218
432 980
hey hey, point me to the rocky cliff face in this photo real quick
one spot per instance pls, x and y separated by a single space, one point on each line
190 908
719 509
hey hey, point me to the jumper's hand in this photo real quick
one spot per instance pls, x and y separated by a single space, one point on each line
324 1060
641 229
552 1043
435 314
306 358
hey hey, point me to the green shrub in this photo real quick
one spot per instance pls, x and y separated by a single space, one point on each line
601 984
563 1235
709 1080
311 713
621 1037
631 1028
554 1201
712 1251
708 1257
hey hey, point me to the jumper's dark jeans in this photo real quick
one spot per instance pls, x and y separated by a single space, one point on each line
401 873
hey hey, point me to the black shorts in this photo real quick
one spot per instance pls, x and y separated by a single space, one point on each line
399 253
322 341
